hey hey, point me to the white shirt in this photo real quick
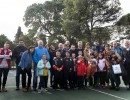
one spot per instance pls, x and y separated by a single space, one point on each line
101 64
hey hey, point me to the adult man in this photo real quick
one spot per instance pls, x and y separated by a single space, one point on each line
126 54
97 47
80 48
39 51
17 54
5 64
117 49
61 49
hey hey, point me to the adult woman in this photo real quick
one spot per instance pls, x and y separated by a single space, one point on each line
26 65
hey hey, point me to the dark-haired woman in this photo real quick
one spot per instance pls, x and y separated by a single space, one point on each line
26 65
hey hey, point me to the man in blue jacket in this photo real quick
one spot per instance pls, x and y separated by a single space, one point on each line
39 51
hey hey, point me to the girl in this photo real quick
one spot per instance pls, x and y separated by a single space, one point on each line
26 65
81 71
102 70
43 67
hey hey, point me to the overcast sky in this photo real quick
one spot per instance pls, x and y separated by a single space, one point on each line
12 12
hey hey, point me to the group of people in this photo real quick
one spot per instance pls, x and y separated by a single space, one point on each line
67 67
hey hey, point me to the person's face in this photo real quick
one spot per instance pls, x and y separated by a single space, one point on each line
6 46
91 56
44 57
80 45
21 43
96 43
31 50
67 54
114 44
107 48
100 56
61 46
72 47
40 43
73 55
80 53
58 54
127 44
87 46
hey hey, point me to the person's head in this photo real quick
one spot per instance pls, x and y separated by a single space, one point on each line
80 44
80 53
60 46
6 45
47 46
31 49
64 46
100 56
96 43
92 55
80 57
58 54
67 43
107 47
72 47
44 57
67 54
40 43
93 64
21 43
127 44
114 44
52 47
87 46
73 55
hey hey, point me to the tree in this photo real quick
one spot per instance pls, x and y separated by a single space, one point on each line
81 17
3 39
18 34
45 16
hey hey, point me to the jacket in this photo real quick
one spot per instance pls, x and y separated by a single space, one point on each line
81 68
39 51
7 59
40 67
26 60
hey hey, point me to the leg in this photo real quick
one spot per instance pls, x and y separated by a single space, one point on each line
1 71
34 80
18 71
29 73
23 72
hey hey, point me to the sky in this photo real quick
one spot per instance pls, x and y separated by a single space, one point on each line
12 12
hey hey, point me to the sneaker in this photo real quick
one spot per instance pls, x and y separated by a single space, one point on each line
117 88
17 89
29 89
4 89
24 90
39 91
45 90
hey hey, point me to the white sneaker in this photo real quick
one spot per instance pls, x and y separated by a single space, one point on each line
39 91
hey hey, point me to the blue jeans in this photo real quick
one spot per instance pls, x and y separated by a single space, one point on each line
35 78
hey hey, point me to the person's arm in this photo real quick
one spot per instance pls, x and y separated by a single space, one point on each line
48 65
35 56
23 60
119 57
40 65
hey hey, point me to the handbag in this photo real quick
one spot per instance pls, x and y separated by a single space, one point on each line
117 69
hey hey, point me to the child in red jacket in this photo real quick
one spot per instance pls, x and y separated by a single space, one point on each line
81 71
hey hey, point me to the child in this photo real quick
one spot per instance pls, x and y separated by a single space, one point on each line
90 71
75 71
68 71
81 70
102 69
43 67
58 70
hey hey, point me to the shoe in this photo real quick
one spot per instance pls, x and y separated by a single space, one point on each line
117 88
111 88
35 90
29 89
0 89
4 89
39 91
45 90
24 90
17 89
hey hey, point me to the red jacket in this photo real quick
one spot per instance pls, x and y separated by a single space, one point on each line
81 68
7 53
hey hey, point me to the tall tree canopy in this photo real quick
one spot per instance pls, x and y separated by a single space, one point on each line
82 16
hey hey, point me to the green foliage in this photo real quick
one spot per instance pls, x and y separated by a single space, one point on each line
3 39
18 34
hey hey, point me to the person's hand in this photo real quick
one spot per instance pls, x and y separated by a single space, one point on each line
22 68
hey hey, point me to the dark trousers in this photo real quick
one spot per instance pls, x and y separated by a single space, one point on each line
43 82
58 79
96 78
52 77
68 77
29 73
80 81
18 72
35 77
115 80
75 79
102 77
4 73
